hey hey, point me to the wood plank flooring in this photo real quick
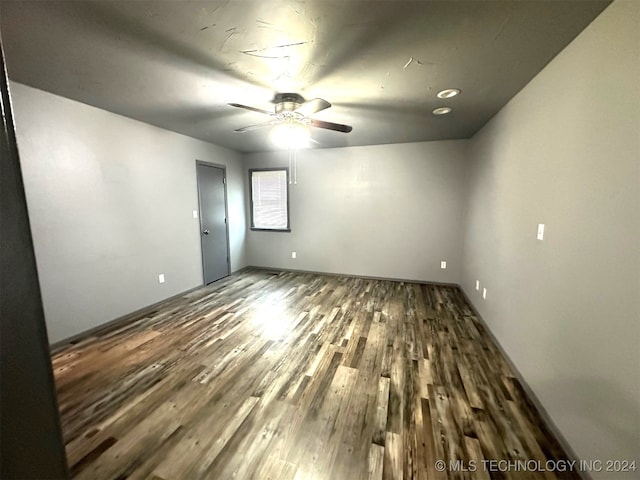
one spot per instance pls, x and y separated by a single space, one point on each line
285 375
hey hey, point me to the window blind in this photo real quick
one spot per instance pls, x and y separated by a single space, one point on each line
269 197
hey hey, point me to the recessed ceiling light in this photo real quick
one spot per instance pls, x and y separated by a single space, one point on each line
441 111
448 93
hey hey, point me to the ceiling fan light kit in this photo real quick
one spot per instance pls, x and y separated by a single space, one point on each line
292 136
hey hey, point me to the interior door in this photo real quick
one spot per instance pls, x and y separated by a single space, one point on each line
213 221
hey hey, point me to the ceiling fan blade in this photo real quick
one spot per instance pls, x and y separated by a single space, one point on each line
256 126
253 109
338 127
313 106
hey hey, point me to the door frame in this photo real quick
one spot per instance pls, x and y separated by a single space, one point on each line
226 214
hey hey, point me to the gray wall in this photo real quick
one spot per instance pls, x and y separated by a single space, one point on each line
565 152
110 203
385 211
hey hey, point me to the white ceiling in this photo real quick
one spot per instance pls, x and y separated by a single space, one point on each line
176 64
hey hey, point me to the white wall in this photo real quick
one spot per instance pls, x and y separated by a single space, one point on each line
386 211
110 203
566 152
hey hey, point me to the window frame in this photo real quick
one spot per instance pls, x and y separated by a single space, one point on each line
251 218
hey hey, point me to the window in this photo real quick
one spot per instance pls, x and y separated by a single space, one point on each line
269 199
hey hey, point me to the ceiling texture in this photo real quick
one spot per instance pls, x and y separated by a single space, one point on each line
177 64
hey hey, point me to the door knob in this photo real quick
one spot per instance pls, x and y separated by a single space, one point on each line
206 231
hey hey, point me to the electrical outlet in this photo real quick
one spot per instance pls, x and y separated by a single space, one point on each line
484 293
540 235
294 255
161 278
443 265
477 284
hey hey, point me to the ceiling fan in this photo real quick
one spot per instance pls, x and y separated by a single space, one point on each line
293 110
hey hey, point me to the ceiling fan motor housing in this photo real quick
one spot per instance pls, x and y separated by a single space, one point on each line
287 102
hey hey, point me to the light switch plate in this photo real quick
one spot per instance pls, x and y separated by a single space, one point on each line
484 293
443 265
540 231
477 284
161 278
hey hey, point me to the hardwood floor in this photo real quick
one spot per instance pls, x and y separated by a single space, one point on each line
298 376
